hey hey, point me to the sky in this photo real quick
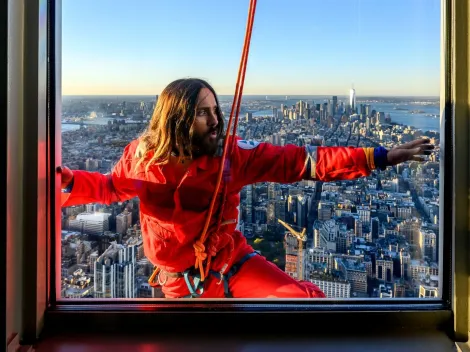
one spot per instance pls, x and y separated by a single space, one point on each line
303 47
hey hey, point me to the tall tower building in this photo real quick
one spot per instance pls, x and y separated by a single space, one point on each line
405 261
249 204
115 271
358 228
374 228
352 99
123 221
291 244
384 269
427 244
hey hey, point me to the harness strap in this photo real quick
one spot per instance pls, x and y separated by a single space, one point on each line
233 270
196 287
155 281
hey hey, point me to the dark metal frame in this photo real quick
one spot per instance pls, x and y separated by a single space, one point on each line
447 158
55 139
3 163
459 71
105 315
35 175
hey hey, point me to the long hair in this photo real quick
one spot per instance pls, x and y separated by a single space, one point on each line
170 128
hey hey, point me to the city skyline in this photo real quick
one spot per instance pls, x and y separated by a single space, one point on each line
291 96
110 48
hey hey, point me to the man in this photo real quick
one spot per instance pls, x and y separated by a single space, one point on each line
173 169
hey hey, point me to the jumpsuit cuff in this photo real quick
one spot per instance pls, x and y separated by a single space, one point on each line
380 158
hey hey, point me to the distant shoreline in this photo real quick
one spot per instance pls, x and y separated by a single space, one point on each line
290 96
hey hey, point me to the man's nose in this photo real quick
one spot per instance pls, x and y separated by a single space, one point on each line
213 120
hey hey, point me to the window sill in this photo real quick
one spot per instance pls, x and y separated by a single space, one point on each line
199 318
180 341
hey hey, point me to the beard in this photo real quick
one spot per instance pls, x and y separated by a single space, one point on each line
204 144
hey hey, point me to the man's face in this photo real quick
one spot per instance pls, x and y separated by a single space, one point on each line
206 136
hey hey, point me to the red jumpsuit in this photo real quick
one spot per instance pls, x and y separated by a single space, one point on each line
172 215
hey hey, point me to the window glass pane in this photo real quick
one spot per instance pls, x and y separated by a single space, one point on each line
321 74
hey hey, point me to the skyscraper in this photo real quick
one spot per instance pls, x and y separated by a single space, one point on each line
115 271
352 99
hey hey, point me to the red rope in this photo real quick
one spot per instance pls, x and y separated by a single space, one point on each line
199 247
247 48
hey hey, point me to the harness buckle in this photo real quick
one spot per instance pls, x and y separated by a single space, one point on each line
159 280
221 272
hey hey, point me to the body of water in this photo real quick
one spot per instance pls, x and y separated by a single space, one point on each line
67 127
427 119
96 121
424 117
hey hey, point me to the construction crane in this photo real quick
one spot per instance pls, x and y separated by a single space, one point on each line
301 237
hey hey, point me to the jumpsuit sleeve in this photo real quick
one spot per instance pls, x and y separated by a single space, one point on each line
94 187
263 162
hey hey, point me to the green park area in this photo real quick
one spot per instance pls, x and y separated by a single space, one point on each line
271 246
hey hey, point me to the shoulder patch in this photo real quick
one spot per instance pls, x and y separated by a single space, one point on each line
247 144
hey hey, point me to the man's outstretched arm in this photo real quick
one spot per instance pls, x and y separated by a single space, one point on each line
83 187
264 162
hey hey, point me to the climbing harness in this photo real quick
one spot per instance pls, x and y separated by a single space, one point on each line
193 280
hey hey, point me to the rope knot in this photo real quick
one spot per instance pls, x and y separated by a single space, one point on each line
200 250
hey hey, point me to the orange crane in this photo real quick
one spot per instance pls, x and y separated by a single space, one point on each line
301 238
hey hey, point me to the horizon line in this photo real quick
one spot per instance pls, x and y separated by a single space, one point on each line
293 95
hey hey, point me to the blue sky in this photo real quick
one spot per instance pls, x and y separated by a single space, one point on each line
383 47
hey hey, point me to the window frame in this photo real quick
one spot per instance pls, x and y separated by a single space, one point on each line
458 58
35 181
95 315
4 32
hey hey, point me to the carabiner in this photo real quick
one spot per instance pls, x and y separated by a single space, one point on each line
152 277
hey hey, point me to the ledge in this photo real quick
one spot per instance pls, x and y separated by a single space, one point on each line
198 318
181 341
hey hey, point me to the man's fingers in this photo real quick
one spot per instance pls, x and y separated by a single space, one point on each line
414 144
425 149
415 151
418 158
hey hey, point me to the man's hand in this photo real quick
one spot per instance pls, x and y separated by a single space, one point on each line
66 174
409 151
